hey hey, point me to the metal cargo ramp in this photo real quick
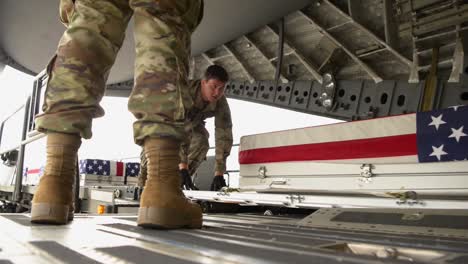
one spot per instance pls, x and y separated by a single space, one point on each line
239 238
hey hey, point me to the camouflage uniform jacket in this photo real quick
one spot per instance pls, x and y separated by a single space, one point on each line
223 123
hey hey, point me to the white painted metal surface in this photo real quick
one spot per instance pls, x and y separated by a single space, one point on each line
295 200
448 178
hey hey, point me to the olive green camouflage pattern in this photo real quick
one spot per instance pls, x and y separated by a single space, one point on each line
194 149
87 50
196 127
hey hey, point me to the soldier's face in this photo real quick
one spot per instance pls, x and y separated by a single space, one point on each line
212 90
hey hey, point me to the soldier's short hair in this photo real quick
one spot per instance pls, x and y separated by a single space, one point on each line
216 72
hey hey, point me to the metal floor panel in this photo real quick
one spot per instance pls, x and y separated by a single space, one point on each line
436 243
141 255
236 249
434 221
241 238
62 252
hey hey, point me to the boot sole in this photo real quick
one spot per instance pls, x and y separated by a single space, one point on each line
46 213
166 218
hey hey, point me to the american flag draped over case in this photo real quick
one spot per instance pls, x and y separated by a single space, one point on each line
443 135
439 135
132 169
31 176
101 167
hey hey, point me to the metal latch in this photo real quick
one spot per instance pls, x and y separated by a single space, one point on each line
293 198
366 170
278 182
117 193
366 173
406 198
227 190
262 172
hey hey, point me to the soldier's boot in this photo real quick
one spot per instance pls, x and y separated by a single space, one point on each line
53 198
71 208
71 211
163 204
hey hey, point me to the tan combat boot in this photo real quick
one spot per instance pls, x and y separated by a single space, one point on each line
163 204
53 198
71 207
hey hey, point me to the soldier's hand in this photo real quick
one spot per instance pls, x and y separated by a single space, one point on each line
187 183
218 183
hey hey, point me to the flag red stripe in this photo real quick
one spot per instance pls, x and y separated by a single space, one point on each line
393 146
120 169
34 171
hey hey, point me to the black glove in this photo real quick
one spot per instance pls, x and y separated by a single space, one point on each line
218 183
187 183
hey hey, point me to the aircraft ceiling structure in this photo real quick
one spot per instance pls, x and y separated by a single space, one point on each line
30 30
343 59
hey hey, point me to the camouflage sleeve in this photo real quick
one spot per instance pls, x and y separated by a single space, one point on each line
195 11
183 152
223 134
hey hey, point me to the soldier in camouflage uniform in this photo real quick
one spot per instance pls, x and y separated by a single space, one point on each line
159 101
209 101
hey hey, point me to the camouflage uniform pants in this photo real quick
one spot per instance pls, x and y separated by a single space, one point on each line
192 152
87 50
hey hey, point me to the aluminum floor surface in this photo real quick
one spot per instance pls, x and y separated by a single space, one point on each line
239 238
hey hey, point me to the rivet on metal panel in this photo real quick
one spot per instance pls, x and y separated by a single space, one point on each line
327 98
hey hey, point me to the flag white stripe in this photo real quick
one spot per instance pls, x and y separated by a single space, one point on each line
113 168
380 127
